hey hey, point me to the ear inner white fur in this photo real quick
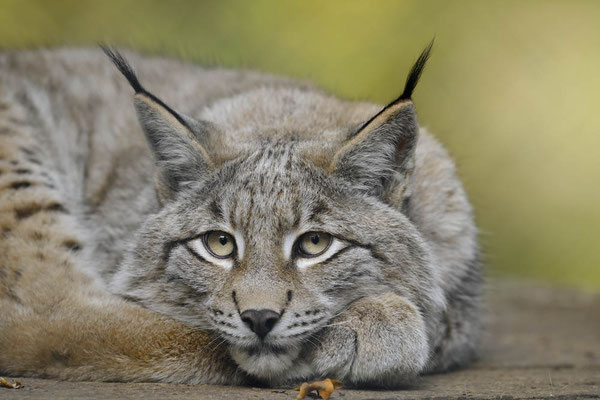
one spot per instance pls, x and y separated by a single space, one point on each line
381 155
180 157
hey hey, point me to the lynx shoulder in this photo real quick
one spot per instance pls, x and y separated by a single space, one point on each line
225 226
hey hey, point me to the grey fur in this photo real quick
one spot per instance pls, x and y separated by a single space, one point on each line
265 159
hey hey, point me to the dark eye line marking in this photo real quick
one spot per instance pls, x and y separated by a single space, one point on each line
336 255
371 250
168 248
198 256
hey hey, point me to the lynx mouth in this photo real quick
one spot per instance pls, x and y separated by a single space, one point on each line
266 361
265 349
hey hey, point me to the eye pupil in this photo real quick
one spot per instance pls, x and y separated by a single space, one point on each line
315 238
223 240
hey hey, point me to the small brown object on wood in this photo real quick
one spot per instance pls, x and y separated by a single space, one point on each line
324 388
7 384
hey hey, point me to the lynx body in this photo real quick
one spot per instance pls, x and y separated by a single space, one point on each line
242 228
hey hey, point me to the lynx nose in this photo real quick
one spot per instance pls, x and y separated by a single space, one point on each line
260 321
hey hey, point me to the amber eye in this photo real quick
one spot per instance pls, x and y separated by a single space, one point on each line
219 244
313 244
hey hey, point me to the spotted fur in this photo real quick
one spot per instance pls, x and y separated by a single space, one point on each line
102 272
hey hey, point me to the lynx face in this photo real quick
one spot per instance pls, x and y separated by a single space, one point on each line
266 252
268 247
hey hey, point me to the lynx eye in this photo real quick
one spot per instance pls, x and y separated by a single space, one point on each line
219 244
313 244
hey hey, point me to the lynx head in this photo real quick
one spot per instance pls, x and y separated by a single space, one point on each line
266 247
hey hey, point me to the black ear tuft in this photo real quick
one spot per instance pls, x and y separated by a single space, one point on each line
409 87
415 73
123 66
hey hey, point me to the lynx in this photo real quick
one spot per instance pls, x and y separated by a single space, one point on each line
254 230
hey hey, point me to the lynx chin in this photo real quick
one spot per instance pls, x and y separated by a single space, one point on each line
243 228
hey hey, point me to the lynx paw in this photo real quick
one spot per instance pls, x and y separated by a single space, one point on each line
379 341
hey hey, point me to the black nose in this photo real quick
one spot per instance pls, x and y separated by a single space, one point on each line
260 321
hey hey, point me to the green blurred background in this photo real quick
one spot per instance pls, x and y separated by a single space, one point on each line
512 89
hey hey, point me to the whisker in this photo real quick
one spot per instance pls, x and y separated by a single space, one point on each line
209 343
311 342
219 344
344 322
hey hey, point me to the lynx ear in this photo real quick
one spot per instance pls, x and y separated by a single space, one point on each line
174 139
380 155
